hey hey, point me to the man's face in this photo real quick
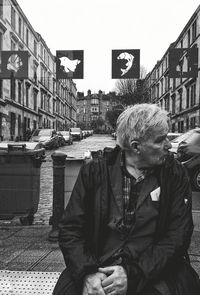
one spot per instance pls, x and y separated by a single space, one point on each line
154 150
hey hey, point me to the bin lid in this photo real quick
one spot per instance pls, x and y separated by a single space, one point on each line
20 147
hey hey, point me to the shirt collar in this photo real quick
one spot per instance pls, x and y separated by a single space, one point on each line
145 172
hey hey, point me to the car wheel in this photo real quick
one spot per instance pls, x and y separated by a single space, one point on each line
195 178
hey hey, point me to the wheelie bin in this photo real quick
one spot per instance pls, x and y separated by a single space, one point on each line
20 180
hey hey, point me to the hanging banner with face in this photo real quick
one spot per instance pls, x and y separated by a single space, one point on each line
69 64
14 64
126 64
183 62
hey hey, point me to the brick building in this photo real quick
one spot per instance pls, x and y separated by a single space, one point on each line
39 101
93 107
179 96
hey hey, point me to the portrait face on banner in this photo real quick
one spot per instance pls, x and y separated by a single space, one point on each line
126 64
183 62
69 64
14 64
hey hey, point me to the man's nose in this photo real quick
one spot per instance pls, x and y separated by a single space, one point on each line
168 144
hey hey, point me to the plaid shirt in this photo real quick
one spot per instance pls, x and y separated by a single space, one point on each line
131 189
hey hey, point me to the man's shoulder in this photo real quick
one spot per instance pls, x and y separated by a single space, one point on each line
104 157
175 166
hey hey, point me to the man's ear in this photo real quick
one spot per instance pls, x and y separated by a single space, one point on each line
134 145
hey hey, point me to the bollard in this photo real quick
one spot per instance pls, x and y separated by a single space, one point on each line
58 193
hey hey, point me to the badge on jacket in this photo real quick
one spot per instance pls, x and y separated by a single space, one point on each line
155 194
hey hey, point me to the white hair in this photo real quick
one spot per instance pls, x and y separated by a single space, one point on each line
137 123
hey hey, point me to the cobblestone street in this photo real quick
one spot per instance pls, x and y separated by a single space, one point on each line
44 212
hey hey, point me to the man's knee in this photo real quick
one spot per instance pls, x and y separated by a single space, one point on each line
65 285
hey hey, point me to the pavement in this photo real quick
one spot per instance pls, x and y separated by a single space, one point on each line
27 249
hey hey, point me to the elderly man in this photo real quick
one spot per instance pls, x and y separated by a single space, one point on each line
128 224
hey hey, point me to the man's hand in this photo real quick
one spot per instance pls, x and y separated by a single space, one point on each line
92 284
116 282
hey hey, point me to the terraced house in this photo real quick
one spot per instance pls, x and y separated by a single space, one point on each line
40 101
179 96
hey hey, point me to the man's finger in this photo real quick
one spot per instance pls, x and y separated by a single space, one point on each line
109 289
107 270
107 282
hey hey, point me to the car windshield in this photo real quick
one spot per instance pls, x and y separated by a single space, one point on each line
75 129
182 137
64 132
42 132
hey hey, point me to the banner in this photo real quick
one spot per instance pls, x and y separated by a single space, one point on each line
69 64
126 64
183 62
14 64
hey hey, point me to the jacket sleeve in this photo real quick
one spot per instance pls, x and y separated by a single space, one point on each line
174 241
74 231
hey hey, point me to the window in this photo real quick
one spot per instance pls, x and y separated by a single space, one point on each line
157 89
180 126
42 75
94 101
35 73
187 124
166 83
35 100
188 37
194 30
27 95
13 17
173 104
35 48
27 37
162 87
167 103
12 124
187 97
41 100
20 27
94 109
1 88
12 88
174 83
192 122
180 100
1 41
193 94
1 8
13 45
19 92
41 51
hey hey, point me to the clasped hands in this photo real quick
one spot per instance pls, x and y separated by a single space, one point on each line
111 280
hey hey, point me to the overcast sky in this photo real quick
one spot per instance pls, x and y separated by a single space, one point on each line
97 27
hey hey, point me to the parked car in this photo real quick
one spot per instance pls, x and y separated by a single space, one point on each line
84 133
173 135
47 137
188 153
76 133
61 139
114 135
67 137
175 142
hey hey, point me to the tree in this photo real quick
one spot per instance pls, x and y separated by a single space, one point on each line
98 123
131 90
111 117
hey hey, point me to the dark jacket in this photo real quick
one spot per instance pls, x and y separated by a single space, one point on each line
83 225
